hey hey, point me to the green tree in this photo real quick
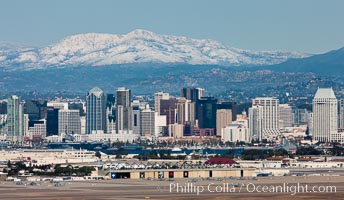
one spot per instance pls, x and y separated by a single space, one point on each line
9 164
98 154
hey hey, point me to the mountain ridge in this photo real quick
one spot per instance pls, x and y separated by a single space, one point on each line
330 63
138 46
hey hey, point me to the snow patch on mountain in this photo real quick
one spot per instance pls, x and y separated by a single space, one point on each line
138 46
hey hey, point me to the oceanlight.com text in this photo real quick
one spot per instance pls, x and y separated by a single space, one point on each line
289 188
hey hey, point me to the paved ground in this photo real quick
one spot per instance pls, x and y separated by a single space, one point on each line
144 189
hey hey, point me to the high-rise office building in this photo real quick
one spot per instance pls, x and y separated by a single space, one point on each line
136 117
176 130
15 119
3 107
95 111
147 122
157 97
37 130
111 120
78 106
264 118
168 108
192 94
82 125
233 106
223 118
207 107
52 122
301 116
191 109
123 109
185 111
26 125
182 110
341 114
58 105
110 113
325 115
285 116
3 121
254 123
310 124
36 109
69 121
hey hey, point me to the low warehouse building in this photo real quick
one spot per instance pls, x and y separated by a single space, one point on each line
183 173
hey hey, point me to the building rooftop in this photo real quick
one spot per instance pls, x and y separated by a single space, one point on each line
220 161
96 91
324 93
122 89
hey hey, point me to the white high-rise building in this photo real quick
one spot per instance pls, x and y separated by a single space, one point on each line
176 130
200 92
160 123
341 114
26 125
264 118
69 122
285 116
157 97
325 115
185 111
235 133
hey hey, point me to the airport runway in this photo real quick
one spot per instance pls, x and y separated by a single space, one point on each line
155 189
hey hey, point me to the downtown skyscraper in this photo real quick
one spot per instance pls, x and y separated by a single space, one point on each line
341 114
123 110
15 119
207 107
193 94
325 115
157 97
264 118
223 118
95 111
69 121
285 116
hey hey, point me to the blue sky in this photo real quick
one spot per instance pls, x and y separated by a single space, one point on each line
312 26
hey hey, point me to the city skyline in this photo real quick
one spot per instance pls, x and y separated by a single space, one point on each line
132 99
171 116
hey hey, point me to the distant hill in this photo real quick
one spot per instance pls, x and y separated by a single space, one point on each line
330 63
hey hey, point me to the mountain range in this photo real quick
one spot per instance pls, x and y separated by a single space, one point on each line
330 63
147 62
138 46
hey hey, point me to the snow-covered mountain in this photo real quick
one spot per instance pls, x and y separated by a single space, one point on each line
138 46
